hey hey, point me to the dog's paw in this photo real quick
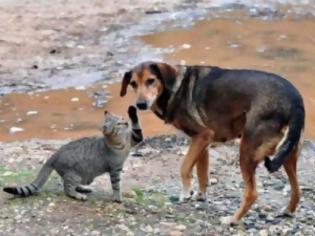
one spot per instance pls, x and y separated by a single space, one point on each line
200 197
185 196
285 213
228 220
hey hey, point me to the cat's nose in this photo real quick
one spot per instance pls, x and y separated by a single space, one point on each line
105 112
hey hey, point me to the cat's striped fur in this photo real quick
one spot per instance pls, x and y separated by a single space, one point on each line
80 161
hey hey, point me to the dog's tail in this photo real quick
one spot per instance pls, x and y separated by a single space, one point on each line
33 187
289 141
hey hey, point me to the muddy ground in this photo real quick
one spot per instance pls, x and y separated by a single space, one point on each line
59 62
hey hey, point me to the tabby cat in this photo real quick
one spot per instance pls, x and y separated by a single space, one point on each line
80 161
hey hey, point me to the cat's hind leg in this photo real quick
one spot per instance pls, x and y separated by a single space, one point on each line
84 189
71 182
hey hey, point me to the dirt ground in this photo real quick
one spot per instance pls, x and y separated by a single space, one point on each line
59 61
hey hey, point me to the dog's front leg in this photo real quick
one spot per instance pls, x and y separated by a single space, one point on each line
197 147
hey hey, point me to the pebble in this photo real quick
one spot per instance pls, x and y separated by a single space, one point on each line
75 99
80 88
186 46
31 113
180 227
14 130
8 173
175 233
263 232
213 181
95 233
18 120
51 204
148 229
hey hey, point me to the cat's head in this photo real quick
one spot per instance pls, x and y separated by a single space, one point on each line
115 127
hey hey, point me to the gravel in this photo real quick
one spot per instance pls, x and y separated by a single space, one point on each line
151 185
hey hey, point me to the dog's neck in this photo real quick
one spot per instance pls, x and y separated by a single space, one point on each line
163 104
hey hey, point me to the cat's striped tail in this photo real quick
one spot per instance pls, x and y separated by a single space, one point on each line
33 187
136 133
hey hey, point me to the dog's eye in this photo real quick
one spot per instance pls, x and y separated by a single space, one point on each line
149 82
133 84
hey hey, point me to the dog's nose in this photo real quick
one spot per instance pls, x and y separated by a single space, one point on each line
142 105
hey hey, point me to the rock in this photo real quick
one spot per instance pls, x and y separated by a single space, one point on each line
8 173
234 45
80 88
263 232
286 190
186 46
175 233
18 120
95 233
14 130
174 199
51 204
148 229
180 227
150 12
75 99
31 113
213 181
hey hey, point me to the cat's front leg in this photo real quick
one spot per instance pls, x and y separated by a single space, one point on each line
115 181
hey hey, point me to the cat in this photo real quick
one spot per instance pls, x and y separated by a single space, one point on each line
80 161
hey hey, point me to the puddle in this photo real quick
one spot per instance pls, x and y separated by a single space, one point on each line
65 113
283 46
250 34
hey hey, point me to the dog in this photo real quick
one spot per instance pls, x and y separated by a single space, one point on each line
212 104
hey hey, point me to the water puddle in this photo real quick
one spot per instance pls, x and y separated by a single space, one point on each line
259 37
283 46
66 113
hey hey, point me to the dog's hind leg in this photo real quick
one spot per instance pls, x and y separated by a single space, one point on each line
197 146
202 173
290 168
248 166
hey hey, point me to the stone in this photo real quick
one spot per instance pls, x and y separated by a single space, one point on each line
14 130
213 181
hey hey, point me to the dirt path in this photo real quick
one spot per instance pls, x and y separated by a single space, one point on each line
151 185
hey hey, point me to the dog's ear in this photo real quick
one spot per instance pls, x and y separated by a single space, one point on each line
125 82
165 73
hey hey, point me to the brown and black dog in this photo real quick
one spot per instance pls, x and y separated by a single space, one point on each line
212 104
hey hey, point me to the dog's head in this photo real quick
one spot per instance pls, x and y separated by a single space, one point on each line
148 80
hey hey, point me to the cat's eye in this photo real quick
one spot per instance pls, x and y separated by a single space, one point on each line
133 84
149 82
